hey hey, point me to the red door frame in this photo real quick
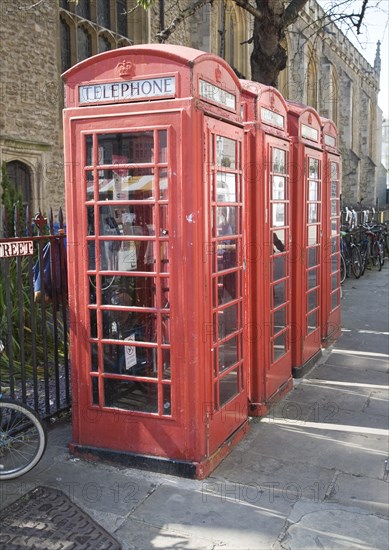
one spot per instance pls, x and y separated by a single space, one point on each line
195 436
331 311
307 155
266 118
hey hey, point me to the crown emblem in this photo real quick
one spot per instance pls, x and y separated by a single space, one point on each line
218 74
310 118
125 68
272 100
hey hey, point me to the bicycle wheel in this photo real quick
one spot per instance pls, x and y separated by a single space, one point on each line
343 269
377 259
356 262
382 251
22 439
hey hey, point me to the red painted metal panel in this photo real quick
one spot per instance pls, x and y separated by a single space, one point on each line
330 308
157 312
307 159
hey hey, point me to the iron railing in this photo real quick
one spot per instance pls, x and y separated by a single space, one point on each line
34 360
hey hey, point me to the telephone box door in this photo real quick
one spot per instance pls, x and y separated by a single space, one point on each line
121 287
278 237
312 251
225 272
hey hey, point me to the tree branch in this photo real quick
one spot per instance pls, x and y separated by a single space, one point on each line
245 5
292 12
361 16
164 34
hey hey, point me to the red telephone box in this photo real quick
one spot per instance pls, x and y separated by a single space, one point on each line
155 211
307 157
330 305
268 257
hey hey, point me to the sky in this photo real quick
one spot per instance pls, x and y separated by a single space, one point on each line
376 27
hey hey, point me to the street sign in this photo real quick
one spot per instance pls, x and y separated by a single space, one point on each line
10 249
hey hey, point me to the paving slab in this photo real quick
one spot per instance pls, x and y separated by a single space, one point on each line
139 535
364 492
333 527
329 400
367 362
229 519
346 448
274 479
349 375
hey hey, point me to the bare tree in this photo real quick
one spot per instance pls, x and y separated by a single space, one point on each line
271 19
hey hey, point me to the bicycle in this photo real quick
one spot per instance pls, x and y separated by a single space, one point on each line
350 257
23 438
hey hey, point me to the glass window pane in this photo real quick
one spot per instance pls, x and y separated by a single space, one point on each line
131 325
312 322
131 395
278 215
279 346
126 184
313 190
334 281
313 168
334 262
334 170
163 185
104 44
226 254
228 353
312 300
334 244
162 144
94 358
131 291
130 360
226 152
126 148
127 220
226 187
334 208
279 240
227 220
121 15
90 213
279 267
90 186
228 321
279 320
95 390
166 370
279 294
226 286
313 256
279 188
93 323
167 407
313 213
334 227
88 151
229 386
127 255
313 234
279 157
312 278
84 44
334 189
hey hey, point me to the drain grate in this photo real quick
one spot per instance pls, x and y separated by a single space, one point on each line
46 519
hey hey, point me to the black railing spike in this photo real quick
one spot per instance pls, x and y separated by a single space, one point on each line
60 217
51 222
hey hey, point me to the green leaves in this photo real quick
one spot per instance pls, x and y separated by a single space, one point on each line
145 4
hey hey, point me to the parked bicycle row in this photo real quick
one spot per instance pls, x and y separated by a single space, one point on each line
363 247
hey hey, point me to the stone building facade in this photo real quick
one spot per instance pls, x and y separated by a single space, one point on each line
42 40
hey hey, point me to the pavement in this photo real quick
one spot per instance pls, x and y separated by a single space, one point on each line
311 474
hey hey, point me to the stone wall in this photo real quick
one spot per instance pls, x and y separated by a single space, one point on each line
30 96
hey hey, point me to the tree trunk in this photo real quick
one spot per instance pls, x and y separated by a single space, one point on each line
268 57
